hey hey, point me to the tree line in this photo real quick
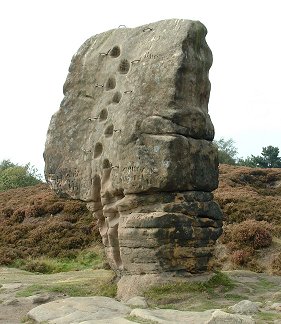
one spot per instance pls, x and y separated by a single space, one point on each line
227 152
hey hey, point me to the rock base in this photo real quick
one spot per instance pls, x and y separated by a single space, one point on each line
135 285
160 232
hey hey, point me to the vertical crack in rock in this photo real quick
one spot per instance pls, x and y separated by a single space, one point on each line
133 138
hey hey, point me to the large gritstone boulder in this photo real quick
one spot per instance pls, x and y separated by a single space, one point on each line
133 138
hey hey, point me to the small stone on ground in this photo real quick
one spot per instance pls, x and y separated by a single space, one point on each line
220 317
244 307
137 301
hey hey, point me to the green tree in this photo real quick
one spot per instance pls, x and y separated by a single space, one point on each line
5 164
226 150
249 162
269 158
14 175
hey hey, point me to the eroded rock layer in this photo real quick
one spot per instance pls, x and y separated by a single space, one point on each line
133 138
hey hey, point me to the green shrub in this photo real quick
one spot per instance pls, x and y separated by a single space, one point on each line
14 176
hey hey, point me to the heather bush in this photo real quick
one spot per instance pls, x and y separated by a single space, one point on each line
55 208
255 265
18 215
74 206
8 255
250 233
35 211
7 212
246 193
241 257
243 239
35 222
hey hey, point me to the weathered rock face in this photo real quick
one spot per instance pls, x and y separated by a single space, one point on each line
133 138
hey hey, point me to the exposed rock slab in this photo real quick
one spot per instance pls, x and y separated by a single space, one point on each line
167 316
79 310
219 317
86 310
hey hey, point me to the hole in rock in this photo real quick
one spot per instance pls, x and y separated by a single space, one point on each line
117 97
103 115
106 164
110 84
96 183
108 131
115 52
124 66
98 150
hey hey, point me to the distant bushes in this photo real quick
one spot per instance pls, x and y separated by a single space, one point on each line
227 154
14 176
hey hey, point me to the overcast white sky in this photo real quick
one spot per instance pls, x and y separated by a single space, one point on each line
38 39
